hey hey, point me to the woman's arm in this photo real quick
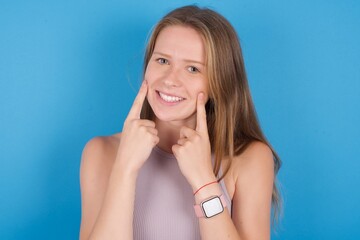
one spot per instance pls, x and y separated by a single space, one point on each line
254 174
251 204
116 217
112 217
103 186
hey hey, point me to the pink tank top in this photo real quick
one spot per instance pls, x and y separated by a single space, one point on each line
164 201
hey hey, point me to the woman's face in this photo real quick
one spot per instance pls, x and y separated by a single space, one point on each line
176 74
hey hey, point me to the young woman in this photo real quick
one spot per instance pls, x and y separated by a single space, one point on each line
191 161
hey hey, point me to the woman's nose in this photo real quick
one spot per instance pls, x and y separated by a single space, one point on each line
172 78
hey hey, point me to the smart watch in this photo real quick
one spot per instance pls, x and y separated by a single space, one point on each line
210 207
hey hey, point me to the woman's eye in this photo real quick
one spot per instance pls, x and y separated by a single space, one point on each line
162 61
193 69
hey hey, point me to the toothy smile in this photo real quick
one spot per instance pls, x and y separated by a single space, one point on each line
168 98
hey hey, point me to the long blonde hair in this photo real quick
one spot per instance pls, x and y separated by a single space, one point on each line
231 117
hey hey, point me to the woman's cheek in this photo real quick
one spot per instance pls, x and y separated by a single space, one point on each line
202 87
151 73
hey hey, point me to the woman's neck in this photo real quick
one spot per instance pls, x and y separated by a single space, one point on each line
169 132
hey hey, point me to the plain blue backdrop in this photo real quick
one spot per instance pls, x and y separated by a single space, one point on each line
69 71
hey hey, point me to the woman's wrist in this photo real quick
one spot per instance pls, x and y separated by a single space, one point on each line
125 170
200 182
205 185
208 191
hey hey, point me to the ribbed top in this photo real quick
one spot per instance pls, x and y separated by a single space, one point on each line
164 201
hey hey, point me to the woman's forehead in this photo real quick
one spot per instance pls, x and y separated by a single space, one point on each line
181 42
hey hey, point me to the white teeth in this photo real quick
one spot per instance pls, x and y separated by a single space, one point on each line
170 98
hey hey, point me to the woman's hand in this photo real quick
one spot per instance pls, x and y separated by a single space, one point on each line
193 150
138 136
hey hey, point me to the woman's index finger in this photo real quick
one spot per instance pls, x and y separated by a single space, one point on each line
201 124
138 102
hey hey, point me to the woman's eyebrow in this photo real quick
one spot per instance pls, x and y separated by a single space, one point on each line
163 54
185 60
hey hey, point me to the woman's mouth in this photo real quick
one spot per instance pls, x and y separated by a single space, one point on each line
170 98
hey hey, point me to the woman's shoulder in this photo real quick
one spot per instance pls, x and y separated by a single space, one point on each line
252 162
256 159
100 146
97 159
255 150
99 154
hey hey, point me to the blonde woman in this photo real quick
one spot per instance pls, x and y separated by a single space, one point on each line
191 161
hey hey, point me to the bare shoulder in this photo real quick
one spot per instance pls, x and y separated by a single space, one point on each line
97 159
257 158
254 172
254 161
98 153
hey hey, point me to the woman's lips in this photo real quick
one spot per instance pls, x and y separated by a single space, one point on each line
169 98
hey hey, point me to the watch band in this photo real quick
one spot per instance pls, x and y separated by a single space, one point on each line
199 210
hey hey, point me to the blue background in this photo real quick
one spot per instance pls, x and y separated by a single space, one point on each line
69 71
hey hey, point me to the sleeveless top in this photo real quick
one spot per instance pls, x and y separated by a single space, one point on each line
164 200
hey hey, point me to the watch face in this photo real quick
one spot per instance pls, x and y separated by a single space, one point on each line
212 207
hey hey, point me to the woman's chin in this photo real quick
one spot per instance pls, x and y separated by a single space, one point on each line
174 118
166 117
166 114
